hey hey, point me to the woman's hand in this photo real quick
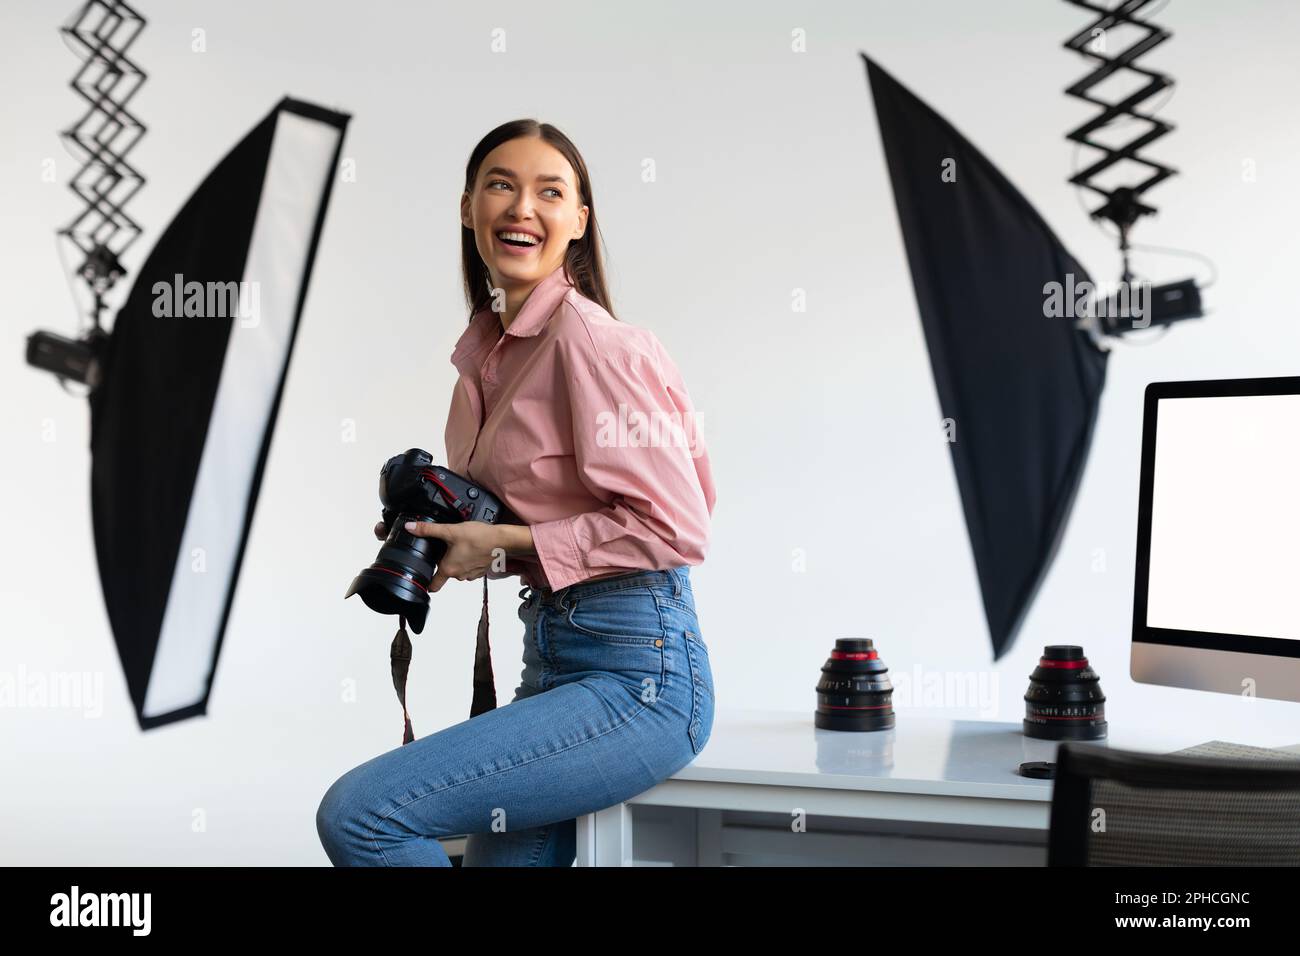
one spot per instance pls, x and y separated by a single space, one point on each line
471 548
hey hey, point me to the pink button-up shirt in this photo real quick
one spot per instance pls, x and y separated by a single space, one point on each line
582 425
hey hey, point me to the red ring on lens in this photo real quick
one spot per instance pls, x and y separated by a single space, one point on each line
404 577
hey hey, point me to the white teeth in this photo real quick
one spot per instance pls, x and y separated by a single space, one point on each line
520 236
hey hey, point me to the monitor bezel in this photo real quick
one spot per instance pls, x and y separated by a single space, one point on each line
1208 640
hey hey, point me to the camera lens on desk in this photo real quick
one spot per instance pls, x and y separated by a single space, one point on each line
1064 700
854 692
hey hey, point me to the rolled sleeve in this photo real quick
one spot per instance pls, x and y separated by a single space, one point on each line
638 447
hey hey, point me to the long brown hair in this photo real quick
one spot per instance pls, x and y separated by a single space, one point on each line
582 261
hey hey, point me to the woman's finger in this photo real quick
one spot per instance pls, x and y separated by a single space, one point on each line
430 529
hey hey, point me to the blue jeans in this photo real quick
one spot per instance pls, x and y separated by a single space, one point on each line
616 696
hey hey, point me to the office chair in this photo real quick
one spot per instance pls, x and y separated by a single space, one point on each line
1119 808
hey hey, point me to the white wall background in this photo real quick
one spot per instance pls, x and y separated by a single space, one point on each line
770 178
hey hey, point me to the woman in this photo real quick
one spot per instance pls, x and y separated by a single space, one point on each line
583 426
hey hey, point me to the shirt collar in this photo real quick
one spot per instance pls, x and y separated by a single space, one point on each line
532 318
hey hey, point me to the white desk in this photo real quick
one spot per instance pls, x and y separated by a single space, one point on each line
931 791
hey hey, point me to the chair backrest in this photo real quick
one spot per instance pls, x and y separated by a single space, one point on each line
1121 808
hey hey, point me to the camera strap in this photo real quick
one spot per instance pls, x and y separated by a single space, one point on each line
400 656
485 688
485 693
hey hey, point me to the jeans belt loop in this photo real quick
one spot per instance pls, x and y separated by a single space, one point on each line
677 582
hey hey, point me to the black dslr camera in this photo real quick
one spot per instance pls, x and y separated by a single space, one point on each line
413 488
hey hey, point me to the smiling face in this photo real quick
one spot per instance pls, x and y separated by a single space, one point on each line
525 209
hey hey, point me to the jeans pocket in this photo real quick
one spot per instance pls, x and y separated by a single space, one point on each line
618 632
626 616
701 724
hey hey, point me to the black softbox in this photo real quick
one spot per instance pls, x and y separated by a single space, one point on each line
182 424
1020 387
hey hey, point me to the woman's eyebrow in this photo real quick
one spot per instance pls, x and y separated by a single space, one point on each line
513 175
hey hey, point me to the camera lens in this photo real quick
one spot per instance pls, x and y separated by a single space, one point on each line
854 692
398 581
1064 700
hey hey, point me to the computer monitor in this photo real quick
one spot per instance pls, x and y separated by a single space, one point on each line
1216 601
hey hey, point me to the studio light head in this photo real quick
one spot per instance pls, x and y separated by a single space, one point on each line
80 360
1137 306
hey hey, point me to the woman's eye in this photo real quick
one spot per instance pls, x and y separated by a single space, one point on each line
548 189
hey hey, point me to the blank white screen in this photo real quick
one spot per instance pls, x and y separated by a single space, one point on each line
1225 516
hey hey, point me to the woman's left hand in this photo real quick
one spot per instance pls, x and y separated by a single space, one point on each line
471 548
